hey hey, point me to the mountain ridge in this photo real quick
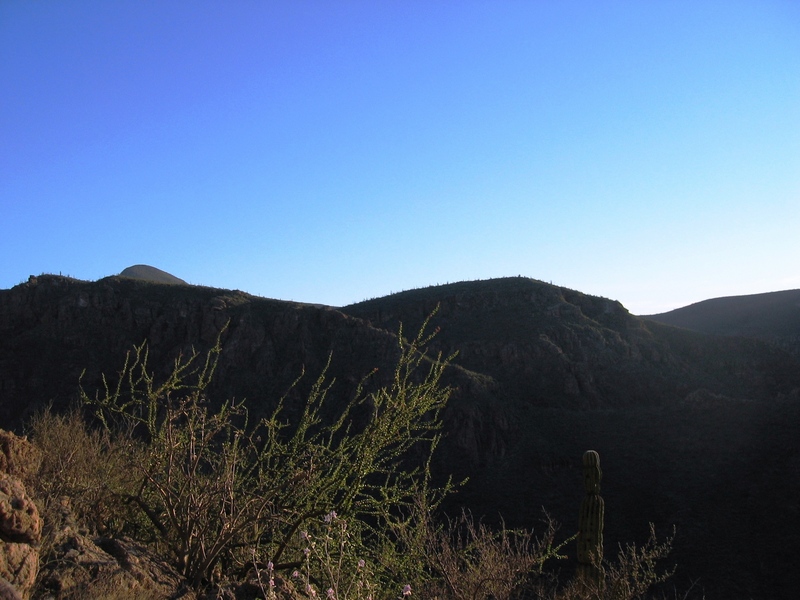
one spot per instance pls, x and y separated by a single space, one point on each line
770 316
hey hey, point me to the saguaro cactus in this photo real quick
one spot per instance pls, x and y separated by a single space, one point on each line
590 523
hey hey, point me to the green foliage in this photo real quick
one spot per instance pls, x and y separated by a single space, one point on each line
332 561
218 489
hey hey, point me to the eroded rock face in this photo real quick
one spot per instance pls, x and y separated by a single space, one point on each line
19 517
20 523
18 457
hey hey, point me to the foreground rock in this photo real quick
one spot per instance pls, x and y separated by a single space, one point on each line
123 569
20 524
85 567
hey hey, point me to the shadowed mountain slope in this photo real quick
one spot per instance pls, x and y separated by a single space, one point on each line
693 430
53 328
774 317
561 348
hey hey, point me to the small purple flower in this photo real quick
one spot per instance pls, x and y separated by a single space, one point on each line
361 564
295 574
330 517
270 566
331 594
406 590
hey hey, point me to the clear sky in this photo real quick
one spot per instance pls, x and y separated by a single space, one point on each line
333 151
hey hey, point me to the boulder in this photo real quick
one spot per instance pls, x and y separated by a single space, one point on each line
19 518
18 457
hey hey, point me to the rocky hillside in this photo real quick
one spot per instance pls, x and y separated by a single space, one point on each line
694 430
559 348
772 317
54 328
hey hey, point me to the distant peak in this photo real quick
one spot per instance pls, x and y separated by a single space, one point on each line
151 274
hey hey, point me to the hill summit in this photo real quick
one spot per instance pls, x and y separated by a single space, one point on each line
151 274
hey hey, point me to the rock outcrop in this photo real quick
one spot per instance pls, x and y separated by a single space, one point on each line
20 523
86 567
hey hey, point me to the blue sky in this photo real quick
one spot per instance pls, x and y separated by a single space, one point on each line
330 152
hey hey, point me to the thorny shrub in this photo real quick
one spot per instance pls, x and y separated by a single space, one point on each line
632 576
217 489
80 476
472 560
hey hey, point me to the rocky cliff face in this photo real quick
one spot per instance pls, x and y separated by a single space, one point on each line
520 343
516 338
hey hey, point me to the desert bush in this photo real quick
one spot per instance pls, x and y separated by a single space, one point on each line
81 477
636 570
473 560
632 576
218 489
332 564
455 560
108 587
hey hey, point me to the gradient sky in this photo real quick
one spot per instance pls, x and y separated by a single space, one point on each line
644 151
